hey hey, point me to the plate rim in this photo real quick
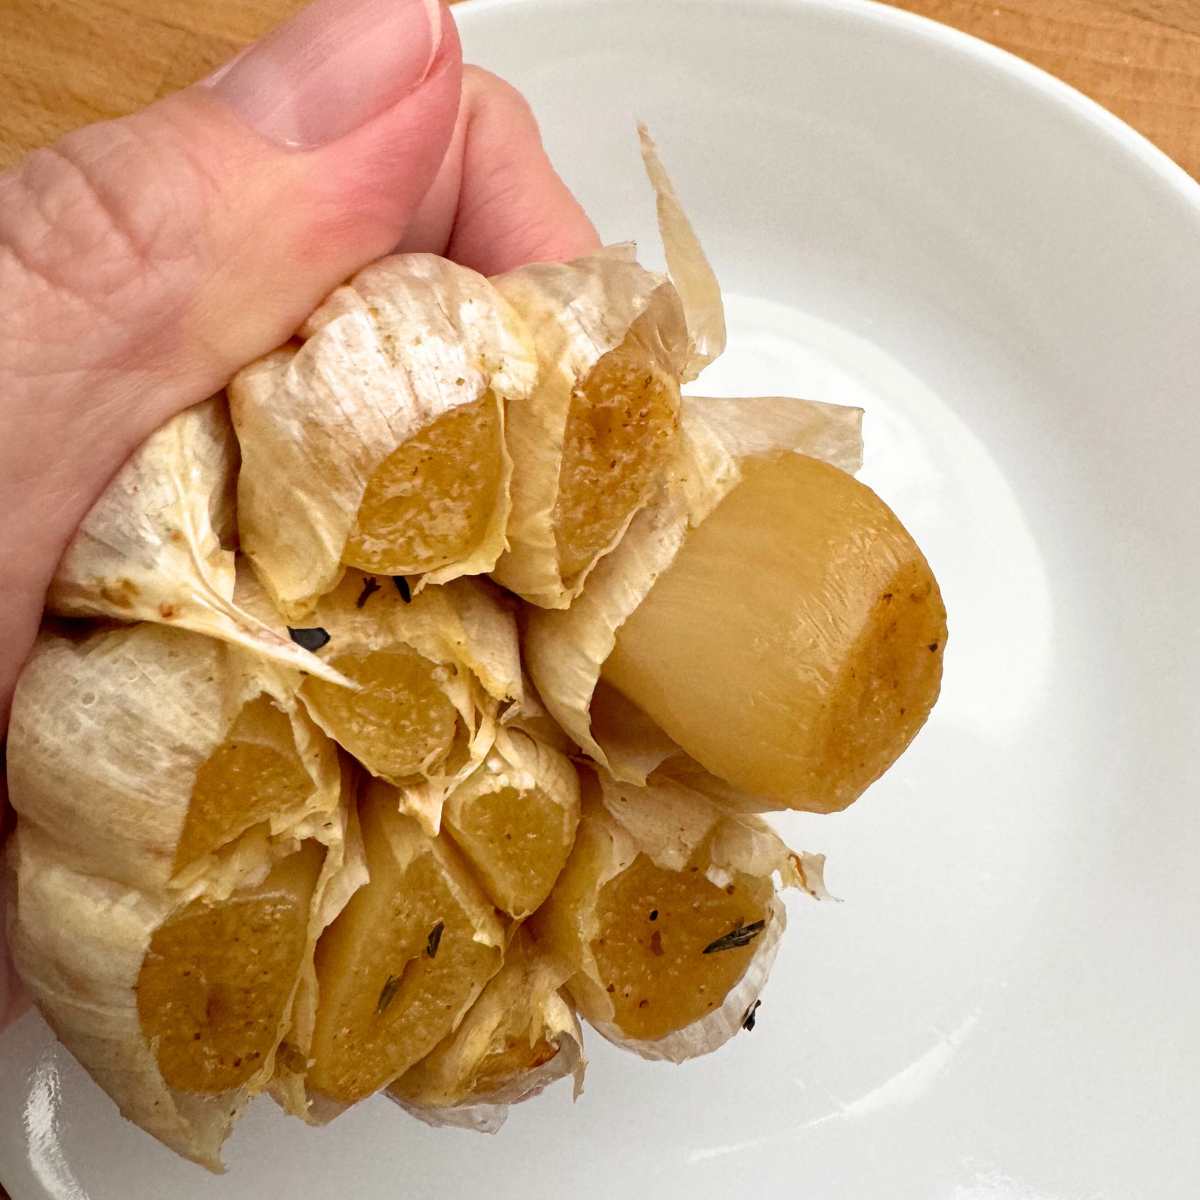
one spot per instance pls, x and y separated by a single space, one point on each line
1156 162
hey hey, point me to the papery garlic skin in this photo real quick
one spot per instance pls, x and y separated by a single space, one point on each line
153 546
688 266
127 717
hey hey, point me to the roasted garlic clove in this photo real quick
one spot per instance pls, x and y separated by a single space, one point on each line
520 1036
667 916
404 960
515 820
378 439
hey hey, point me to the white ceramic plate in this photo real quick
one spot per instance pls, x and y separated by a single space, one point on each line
1005 1005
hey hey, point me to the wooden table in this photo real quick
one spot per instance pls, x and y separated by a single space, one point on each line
66 62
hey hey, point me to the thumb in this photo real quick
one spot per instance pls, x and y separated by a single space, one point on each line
154 255
145 260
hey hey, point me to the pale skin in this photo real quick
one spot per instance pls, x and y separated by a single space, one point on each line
143 261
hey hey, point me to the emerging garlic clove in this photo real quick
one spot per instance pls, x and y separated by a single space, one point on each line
378 441
566 652
520 1036
515 820
403 961
152 547
667 916
828 649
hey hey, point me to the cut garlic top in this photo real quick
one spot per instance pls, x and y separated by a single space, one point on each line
415 357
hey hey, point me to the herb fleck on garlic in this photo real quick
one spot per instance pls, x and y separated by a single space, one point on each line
742 935
309 639
435 939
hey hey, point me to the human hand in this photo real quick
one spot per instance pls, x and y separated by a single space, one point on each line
143 261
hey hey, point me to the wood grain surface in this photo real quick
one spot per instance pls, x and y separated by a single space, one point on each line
64 63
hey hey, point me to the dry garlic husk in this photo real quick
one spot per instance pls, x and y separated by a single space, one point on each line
531 716
593 443
667 916
565 652
515 820
378 440
519 1037
213 818
152 548
688 266
403 962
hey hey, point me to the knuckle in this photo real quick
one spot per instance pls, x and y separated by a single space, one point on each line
491 98
99 221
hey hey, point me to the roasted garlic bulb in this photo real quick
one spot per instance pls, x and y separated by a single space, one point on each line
420 700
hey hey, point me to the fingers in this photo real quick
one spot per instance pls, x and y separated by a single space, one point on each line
13 999
497 203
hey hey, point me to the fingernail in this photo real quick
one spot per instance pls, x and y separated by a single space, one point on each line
331 69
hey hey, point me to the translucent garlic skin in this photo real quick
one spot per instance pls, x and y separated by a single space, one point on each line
794 646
